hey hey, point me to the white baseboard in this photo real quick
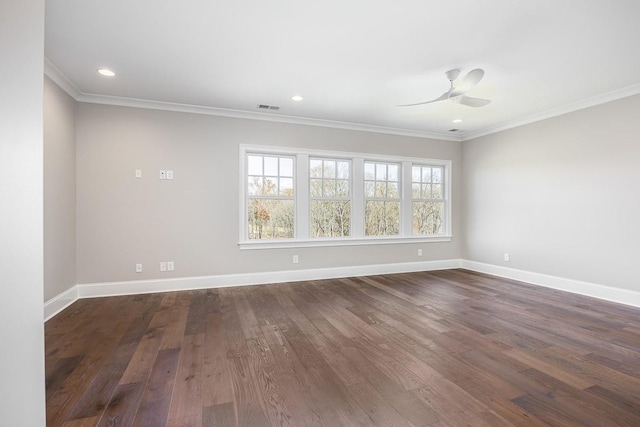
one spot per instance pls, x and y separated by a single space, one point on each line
106 289
608 293
61 301
91 290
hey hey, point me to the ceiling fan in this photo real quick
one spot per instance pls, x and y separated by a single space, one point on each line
456 92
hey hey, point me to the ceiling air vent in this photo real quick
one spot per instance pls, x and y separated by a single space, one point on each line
454 130
268 107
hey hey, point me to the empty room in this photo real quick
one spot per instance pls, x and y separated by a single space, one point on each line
285 213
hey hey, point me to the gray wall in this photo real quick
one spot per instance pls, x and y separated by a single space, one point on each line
562 196
22 394
59 190
193 220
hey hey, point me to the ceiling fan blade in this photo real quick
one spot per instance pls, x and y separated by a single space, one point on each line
472 78
440 98
473 102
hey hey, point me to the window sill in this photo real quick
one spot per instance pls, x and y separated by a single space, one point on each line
284 244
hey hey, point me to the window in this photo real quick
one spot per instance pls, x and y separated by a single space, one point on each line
427 199
294 198
270 192
382 199
329 194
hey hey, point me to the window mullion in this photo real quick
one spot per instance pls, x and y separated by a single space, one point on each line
406 208
357 198
446 196
244 183
302 196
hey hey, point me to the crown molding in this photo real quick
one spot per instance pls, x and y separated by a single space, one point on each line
72 90
251 115
61 80
558 111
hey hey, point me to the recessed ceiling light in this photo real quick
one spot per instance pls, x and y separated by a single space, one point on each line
296 98
106 72
457 121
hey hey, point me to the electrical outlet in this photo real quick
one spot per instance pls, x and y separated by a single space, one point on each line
507 258
295 259
163 174
163 266
138 173
170 266
169 174
419 252
138 268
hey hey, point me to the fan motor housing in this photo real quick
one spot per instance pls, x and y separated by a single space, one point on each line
452 74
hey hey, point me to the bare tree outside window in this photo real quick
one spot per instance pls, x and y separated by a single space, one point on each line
428 199
270 197
382 199
330 197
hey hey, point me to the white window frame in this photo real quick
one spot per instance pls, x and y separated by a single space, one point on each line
302 200
386 198
268 196
443 184
336 198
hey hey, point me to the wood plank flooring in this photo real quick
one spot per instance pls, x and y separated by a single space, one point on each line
444 348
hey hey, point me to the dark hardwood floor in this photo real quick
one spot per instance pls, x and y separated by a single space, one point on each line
445 348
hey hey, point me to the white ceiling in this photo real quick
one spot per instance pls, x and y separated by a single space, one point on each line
353 61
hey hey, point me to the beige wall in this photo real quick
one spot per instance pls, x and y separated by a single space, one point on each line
557 195
59 190
193 220
22 389
562 196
